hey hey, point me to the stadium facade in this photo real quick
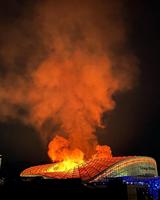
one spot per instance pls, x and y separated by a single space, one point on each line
98 169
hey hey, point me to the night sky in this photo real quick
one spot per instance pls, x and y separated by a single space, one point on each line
134 125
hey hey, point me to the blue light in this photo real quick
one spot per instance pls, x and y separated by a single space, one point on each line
152 184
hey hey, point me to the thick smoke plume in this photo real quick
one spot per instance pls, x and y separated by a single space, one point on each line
62 66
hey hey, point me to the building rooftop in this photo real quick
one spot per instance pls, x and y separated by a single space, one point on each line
96 169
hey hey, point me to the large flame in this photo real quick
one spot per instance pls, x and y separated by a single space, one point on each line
60 149
61 152
67 158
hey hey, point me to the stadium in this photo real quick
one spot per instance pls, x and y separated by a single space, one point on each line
98 169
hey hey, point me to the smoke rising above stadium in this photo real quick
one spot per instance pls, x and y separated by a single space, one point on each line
61 69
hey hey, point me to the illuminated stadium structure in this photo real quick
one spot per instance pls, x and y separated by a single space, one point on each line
97 169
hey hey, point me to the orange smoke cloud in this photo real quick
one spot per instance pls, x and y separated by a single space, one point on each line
73 83
74 93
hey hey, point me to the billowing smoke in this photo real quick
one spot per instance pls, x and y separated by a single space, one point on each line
63 65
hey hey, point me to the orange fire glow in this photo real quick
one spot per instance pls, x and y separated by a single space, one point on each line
75 93
60 151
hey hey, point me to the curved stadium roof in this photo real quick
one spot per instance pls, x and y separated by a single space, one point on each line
96 169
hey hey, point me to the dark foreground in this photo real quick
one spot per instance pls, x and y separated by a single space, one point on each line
74 188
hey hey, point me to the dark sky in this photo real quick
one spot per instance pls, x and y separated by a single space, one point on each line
134 126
